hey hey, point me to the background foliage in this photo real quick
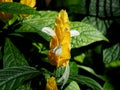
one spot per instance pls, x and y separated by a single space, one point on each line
95 54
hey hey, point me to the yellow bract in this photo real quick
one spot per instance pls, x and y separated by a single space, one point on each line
62 38
51 84
30 3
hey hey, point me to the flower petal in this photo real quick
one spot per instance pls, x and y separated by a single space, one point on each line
58 50
74 33
48 31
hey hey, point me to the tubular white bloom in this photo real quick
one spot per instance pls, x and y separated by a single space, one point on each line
57 50
74 33
48 31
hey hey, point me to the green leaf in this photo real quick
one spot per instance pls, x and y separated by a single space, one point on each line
13 20
80 58
95 8
24 87
90 70
16 8
42 49
101 25
59 71
72 86
86 81
111 54
75 6
108 86
11 78
115 63
73 68
88 35
35 23
104 8
12 56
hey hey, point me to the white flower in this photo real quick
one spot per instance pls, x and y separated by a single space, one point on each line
74 33
48 31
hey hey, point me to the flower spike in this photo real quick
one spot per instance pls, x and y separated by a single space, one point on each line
59 53
60 47
51 84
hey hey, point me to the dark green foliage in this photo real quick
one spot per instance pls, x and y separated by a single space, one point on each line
95 53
